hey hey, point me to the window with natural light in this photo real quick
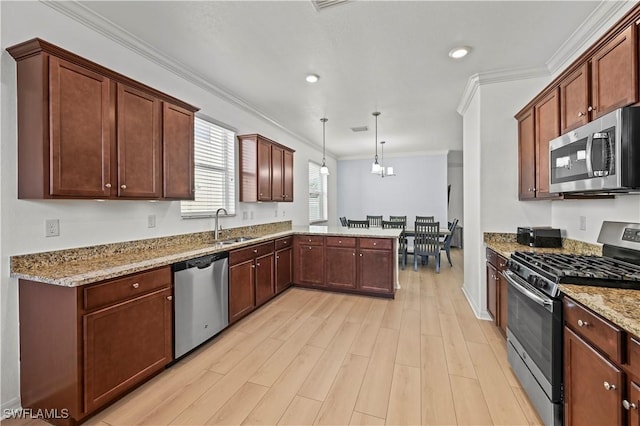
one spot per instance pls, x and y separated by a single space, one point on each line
318 211
214 171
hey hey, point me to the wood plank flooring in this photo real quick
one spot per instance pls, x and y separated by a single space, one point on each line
311 357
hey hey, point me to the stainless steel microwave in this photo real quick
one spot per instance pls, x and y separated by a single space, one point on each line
601 156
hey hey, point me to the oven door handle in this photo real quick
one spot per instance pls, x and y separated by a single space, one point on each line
531 295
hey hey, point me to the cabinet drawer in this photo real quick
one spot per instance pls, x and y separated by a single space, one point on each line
598 331
313 240
501 262
376 243
120 289
341 242
492 257
633 355
283 243
248 253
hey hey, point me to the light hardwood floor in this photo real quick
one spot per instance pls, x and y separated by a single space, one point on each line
311 357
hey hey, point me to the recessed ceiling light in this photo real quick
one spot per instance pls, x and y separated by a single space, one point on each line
459 52
312 78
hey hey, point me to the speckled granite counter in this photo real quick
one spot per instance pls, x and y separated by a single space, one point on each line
505 244
617 305
85 265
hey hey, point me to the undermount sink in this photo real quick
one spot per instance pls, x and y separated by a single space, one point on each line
236 240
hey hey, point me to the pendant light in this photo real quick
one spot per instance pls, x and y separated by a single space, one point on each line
375 167
389 170
324 170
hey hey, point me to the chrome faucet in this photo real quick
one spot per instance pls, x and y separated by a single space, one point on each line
216 224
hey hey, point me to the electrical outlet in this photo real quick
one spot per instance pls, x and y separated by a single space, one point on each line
151 221
52 228
276 213
583 223
284 213
245 215
251 216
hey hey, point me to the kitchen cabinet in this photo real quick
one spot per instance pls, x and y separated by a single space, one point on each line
83 347
497 290
284 263
375 265
341 262
309 260
85 131
251 281
574 99
266 170
526 155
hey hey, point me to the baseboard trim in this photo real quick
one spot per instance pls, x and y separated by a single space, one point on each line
483 315
8 407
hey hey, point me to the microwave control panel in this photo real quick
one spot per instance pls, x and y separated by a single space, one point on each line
631 234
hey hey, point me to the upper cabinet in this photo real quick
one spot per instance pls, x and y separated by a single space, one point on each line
85 131
266 170
603 79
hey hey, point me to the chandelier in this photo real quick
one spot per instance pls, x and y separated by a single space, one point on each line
375 167
324 170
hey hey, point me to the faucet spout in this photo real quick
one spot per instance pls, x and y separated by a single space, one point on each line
216 230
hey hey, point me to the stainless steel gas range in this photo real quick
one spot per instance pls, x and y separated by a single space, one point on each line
534 323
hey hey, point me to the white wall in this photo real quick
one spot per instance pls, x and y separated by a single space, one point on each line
455 179
84 223
419 188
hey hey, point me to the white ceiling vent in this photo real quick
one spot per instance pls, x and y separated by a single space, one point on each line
323 4
359 129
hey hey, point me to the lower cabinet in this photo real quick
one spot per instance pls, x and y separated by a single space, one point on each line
497 289
284 263
375 268
341 262
83 347
251 278
309 260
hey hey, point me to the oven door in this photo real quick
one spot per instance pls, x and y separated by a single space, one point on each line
534 323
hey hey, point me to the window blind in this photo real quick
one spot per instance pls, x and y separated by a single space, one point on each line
317 194
214 171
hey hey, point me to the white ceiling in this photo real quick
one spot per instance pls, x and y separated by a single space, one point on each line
388 56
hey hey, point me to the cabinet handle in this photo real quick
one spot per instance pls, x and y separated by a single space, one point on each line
360 254
277 257
583 324
339 241
108 185
257 264
253 266
629 405
309 247
123 186
354 253
609 386
261 194
581 114
255 250
592 108
530 189
375 244
135 285
169 297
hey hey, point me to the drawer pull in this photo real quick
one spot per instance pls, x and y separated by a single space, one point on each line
123 186
629 405
583 323
253 266
339 241
169 297
135 285
108 185
375 244
257 264
255 251
609 386
309 247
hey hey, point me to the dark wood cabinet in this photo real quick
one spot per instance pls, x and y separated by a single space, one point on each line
177 152
309 260
497 290
251 278
284 263
375 265
341 262
83 347
85 131
574 99
547 127
526 155
266 170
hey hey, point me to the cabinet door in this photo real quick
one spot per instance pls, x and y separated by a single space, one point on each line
287 173
284 268
241 290
526 156
277 162
547 119
502 302
310 265
375 270
633 403
177 152
614 73
340 267
124 344
587 377
139 144
264 170
574 99
492 292
264 279
80 153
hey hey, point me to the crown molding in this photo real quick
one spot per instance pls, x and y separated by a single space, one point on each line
497 76
96 22
598 21
398 155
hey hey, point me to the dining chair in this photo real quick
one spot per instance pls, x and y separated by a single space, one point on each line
426 243
425 219
402 219
446 244
402 241
375 221
358 223
343 221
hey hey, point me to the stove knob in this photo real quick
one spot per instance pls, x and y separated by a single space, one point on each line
514 266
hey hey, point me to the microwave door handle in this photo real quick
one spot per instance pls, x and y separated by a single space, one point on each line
611 156
588 156
531 295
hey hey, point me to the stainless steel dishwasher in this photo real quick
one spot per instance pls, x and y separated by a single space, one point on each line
201 295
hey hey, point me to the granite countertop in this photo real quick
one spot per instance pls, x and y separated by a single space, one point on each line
70 269
619 306
505 244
